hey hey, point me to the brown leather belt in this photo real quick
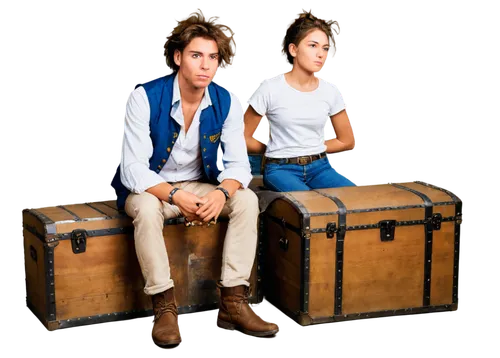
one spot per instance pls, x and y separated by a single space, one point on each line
307 159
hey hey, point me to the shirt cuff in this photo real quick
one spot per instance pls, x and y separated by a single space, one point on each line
240 174
139 179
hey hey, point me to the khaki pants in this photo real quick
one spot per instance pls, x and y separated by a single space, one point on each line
240 243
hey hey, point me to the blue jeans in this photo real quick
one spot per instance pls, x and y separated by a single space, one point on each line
294 177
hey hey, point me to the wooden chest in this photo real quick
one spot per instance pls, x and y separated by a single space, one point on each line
359 252
81 266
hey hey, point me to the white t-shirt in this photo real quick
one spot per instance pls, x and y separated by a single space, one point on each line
296 119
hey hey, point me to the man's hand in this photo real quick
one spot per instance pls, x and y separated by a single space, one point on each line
212 206
188 204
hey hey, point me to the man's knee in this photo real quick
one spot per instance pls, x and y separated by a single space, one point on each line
245 199
144 204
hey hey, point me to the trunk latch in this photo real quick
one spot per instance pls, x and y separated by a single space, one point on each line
436 221
79 241
387 229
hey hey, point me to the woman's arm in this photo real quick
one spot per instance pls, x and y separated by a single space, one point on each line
346 139
252 123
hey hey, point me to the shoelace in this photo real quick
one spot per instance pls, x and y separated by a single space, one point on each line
163 308
240 298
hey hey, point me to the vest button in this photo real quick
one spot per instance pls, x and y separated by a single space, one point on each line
168 149
163 160
159 166
204 137
204 149
175 134
208 166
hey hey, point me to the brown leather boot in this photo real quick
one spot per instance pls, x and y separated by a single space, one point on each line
165 330
235 313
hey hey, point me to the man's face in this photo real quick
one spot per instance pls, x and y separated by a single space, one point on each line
198 62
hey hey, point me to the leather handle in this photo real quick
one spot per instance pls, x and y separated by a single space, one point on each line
33 253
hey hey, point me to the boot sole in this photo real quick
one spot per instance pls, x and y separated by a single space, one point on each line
167 344
232 327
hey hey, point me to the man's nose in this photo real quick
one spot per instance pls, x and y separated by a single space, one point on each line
205 63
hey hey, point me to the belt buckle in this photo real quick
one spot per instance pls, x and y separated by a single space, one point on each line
303 160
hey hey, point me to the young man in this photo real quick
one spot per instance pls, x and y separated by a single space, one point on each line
173 128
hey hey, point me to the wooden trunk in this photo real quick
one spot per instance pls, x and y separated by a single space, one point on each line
359 252
81 266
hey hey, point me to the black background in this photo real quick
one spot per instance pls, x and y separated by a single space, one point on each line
69 121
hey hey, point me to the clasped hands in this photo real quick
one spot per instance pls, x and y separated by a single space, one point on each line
205 209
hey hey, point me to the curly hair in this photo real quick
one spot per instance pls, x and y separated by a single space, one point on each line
305 23
197 26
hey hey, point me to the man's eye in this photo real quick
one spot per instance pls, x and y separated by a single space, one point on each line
196 55
214 57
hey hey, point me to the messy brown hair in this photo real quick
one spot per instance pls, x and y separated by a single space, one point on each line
305 23
197 26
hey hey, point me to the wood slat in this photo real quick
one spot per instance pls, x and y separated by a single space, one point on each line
106 209
433 194
373 196
55 214
83 211
443 248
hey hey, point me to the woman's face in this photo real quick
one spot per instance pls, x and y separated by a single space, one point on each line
312 51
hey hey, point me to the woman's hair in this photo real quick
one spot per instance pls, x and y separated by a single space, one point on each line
305 23
197 26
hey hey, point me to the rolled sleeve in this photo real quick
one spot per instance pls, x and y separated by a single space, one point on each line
137 145
235 157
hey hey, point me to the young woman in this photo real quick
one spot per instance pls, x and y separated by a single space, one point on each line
297 105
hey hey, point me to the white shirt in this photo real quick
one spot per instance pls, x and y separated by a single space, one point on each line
184 162
296 119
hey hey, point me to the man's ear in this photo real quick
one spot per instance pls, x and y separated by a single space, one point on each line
177 57
292 49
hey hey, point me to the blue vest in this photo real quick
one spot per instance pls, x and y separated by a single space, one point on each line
164 130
